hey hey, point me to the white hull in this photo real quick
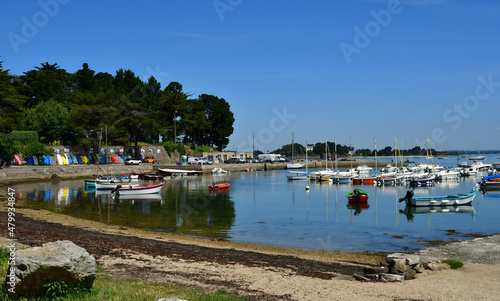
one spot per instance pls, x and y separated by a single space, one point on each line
109 186
449 200
294 165
134 190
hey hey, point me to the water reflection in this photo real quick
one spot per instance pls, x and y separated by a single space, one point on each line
266 208
185 207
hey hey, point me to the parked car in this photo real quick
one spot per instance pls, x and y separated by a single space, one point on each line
132 161
234 160
193 161
253 160
205 160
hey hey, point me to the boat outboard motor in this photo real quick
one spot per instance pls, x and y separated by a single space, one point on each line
116 188
408 196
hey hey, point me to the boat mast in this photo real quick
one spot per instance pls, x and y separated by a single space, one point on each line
326 154
395 153
376 156
430 152
293 134
106 150
335 141
350 150
306 157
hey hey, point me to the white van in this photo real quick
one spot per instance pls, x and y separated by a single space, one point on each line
271 158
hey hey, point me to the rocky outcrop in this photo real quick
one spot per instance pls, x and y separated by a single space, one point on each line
54 261
400 267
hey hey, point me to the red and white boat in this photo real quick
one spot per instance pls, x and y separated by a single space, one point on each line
215 186
363 180
126 189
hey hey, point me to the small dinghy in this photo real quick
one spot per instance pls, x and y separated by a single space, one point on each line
215 186
358 195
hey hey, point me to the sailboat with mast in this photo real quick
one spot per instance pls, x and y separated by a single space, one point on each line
298 174
340 177
293 165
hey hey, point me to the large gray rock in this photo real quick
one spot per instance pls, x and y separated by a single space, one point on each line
54 261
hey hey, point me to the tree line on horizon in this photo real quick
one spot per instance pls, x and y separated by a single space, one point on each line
75 108
320 150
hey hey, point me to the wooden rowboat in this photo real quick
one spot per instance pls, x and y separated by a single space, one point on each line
125 190
448 200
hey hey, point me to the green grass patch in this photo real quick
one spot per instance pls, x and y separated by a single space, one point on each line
454 264
108 288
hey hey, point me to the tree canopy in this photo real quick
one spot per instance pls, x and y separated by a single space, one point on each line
74 108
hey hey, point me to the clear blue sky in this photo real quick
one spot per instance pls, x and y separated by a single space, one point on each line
333 69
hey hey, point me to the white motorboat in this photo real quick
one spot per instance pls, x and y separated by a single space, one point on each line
448 174
219 171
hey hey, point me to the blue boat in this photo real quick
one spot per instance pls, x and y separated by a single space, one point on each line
448 200
490 182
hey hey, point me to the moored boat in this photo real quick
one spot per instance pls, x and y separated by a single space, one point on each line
294 165
216 186
425 180
447 200
219 171
149 176
178 172
129 189
120 177
390 179
111 185
358 195
363 180
490 182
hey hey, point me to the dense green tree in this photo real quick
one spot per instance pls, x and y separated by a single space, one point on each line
103 82
85 80
46 82
49 119
136 105
220 119
75 107
286 150
195 124
173 103
11 103
7 149
90 112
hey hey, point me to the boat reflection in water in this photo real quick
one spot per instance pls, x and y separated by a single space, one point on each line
411 211
357 206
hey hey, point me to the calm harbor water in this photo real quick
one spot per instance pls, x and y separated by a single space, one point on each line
265 208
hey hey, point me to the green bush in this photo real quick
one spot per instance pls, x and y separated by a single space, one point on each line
55 289
170 147
202 148
7 148
454 264
21 135
34 148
